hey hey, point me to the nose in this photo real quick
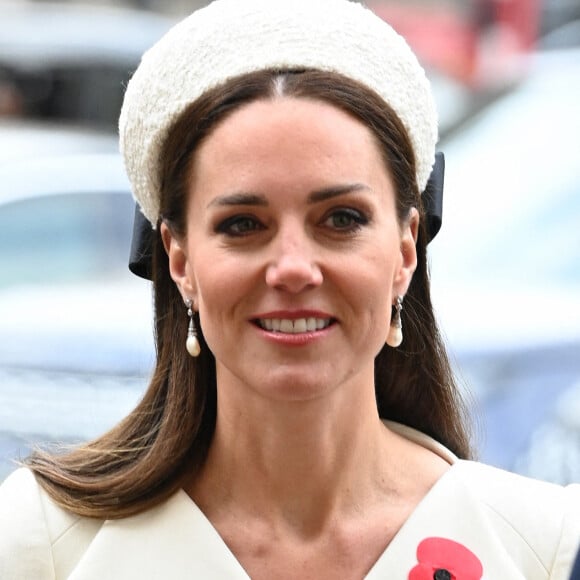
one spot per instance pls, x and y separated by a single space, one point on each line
293 266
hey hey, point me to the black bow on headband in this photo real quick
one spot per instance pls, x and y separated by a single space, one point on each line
140 258
433 197
141 254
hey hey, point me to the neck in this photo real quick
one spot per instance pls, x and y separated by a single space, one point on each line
305 462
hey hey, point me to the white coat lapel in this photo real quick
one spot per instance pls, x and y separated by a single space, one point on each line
174 540
449 514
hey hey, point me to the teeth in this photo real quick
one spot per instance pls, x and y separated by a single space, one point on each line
300 325
286 326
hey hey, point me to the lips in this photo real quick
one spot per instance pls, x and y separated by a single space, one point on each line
294 326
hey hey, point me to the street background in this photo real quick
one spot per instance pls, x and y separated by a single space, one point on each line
75 326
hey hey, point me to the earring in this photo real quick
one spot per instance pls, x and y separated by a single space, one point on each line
192 343
395 336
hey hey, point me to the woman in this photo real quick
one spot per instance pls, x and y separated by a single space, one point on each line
279 154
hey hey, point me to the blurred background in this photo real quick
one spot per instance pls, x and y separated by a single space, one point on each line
76 344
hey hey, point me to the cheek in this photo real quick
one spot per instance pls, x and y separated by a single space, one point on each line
213 288
382 263
368 282
215 296
220 283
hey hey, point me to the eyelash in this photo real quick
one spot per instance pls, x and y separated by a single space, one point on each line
227 226
356 218
231 226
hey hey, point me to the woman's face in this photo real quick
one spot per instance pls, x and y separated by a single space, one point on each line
293 253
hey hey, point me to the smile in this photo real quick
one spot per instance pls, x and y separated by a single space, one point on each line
298 326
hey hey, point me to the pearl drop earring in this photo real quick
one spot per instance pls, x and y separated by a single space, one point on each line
395 336
192 343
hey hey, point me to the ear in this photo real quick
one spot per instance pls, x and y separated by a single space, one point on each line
179 263
408 248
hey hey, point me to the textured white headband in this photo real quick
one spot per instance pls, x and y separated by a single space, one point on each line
229 38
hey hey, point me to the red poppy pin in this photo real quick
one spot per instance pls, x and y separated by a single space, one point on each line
443 559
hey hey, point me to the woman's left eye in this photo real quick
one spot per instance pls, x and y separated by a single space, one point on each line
346 219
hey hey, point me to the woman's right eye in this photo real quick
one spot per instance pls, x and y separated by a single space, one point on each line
239 225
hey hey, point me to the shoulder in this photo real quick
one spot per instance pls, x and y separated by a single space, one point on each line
36 535
24 542
535 518
507 493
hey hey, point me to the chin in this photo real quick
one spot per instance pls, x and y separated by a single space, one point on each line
296 387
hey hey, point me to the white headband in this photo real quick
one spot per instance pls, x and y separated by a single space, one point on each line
229 38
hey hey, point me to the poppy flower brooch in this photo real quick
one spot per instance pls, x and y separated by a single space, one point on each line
443 559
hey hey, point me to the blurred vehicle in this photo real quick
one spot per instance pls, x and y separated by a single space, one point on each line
477 42
22 140
556 13
566 36
65 60
75 326
506 267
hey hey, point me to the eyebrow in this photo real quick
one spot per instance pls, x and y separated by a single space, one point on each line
239 198
335 191
243 198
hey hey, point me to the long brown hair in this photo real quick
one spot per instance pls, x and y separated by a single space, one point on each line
145 458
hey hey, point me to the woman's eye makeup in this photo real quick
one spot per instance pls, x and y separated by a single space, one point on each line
338 220
345 219
239 225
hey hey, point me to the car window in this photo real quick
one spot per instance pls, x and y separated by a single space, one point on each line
64 238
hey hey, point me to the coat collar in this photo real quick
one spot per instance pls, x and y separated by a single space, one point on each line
175 540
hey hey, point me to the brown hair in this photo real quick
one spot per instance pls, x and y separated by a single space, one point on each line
146 457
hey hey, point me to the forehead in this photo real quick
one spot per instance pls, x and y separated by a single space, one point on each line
289 130
284 150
